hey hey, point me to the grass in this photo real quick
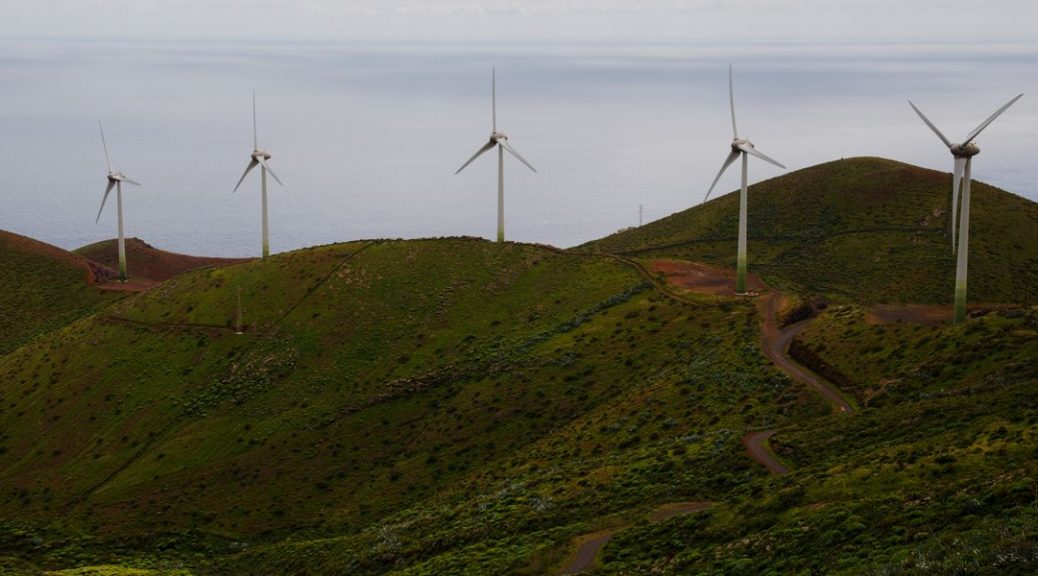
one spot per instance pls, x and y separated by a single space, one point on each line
456 406
376 378
42 288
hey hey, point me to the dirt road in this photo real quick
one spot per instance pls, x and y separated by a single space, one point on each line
756 445
775 343
591 544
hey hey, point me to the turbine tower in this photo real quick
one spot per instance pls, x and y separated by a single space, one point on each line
499 140
259 158
744 148
115 180
963 154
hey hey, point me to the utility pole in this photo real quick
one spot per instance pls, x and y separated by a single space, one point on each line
639 215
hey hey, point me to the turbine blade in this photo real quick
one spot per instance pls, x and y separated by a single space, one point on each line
103 200
731 100
753 152
124 178
991 119
930 124
108 161
960 165
732 156
271 172
255 136
252 164
512 151
493 95
478 153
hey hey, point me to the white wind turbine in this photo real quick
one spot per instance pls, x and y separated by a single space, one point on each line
115 180
963 154
259 158
501 141
740 147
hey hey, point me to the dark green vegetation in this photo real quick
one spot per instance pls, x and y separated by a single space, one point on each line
461 407
42 287
863 230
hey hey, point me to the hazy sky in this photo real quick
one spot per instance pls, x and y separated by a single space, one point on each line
524 20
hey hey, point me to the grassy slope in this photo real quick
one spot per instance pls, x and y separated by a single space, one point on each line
42 287
461 407
861 229
377 382
145 261
936 475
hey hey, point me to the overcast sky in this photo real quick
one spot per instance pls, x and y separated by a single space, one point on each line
524 20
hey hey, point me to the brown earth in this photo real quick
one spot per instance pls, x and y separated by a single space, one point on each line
147 263
924 314
703 278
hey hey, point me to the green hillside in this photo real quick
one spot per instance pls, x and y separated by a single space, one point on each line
375 379
42 287
861 229
456 406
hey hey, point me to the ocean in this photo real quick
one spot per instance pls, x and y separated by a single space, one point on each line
367 137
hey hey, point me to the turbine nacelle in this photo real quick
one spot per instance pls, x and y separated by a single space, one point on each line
496 136
258 155
739 143
119 177
967 150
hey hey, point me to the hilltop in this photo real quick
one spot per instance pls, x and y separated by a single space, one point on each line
866 230
43 287
147 262
457 406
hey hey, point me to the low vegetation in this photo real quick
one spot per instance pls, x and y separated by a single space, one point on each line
456 406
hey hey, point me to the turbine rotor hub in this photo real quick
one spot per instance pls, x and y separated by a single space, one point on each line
736 143
260 155
498 136
966 150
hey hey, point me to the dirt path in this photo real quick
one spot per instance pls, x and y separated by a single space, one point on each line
588 551
591 544
756 444
775 343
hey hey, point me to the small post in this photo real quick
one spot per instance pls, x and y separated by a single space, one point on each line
238 318
639 215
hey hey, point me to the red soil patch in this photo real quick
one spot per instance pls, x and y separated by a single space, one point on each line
924 314
702 278
26 245
147 263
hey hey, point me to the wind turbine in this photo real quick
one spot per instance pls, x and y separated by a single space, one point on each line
963 154
259 158
744 148
499 140
115 180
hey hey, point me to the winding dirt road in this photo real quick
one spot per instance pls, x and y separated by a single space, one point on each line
756 444
591 544
775 343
